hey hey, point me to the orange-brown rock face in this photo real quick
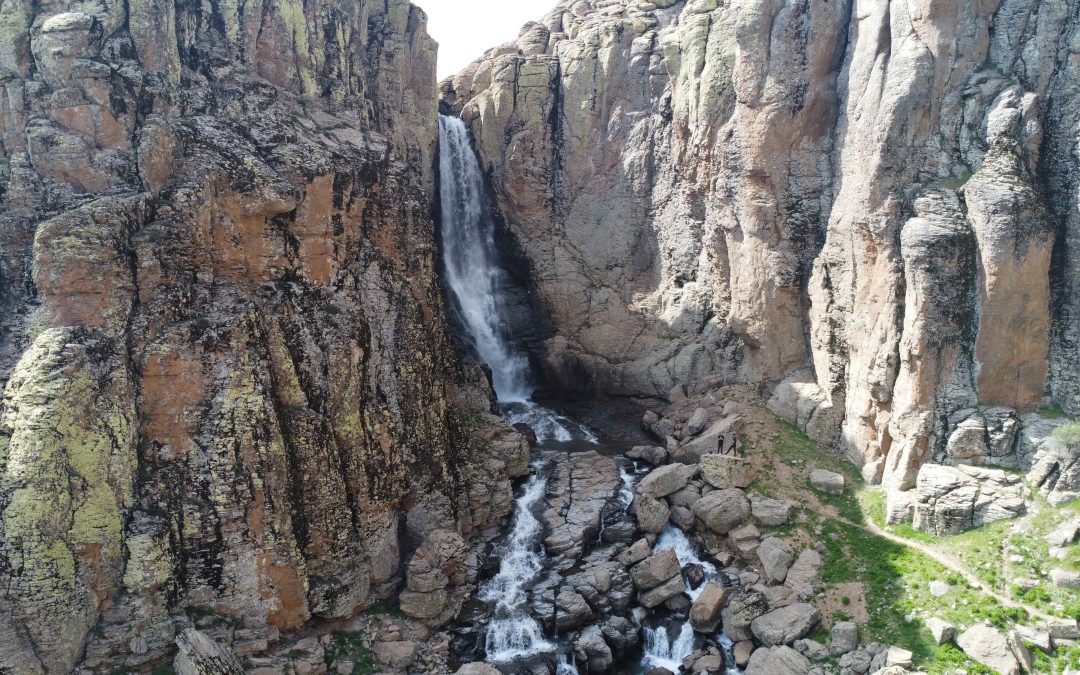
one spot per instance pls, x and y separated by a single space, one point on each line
227 373
868 206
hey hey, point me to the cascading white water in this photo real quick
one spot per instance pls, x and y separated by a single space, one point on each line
472 262
475 279
674 538
626 492
512 633
662 652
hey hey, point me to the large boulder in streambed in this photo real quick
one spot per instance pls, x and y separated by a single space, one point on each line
652 514
655 570
665 480
723 510
706 611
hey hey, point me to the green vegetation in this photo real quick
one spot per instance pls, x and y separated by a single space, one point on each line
349 646
896 578
1068 435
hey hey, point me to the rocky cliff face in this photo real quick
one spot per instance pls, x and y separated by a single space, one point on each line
868 205
229 389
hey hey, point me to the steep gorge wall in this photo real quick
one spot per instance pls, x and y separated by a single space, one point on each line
228 384
868 206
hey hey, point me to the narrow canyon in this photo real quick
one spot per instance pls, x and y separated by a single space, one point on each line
735 337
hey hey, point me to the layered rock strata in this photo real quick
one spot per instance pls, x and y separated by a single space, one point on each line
229 388
870 204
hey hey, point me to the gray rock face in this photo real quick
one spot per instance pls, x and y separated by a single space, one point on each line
785 625
198 654
740 613
579 486
894 334
723 510
949 500
724 472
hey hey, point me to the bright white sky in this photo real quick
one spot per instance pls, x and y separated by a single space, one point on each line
466 29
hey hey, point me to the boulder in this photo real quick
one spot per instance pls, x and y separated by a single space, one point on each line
898 656
651 454
696 424
1063 535
1065 578
1064 630
572 610
397 654
785 625
652 514
776 556
828 482
635 553
598 654
724 471
811 649
990 648
665 591
655 570
665 480
844 638
950 499
1034 636
682 518
803 575
723 510
742 650
777 660
199 654
740 613
694 574
705 614
770 511
427 607
942 630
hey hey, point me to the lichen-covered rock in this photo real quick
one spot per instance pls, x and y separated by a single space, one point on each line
228 381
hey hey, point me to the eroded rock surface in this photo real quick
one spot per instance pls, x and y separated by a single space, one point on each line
229 388
870 208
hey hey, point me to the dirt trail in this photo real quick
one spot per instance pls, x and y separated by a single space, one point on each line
955 565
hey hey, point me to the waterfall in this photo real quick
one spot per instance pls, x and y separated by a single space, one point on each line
674 538
512 633
472 271
475 277
661 652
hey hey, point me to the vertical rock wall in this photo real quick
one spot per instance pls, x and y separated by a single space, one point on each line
229 388
867 206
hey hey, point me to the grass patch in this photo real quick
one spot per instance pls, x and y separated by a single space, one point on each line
348 646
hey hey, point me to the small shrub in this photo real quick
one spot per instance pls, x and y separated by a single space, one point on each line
1068 435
